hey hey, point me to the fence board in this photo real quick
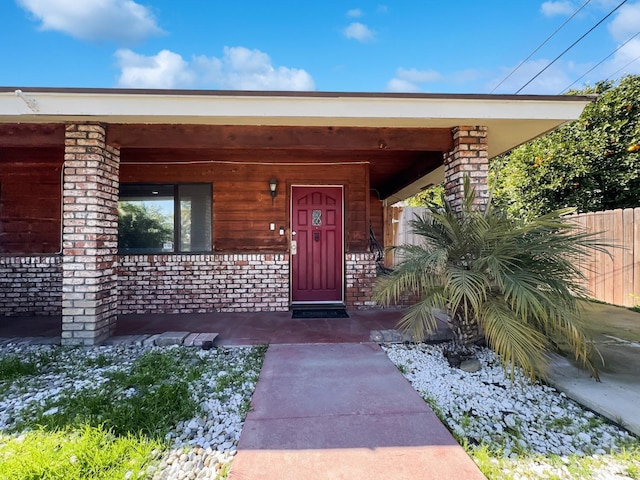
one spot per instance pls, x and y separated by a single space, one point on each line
611 278
636 257
628 258
617 278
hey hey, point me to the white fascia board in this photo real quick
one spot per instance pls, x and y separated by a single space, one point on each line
336 110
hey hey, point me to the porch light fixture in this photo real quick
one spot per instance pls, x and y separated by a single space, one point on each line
273 185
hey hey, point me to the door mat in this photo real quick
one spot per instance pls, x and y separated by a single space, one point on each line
320 313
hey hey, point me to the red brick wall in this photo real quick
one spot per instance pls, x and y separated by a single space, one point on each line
30 285
177 283
468 157
360 277
203 283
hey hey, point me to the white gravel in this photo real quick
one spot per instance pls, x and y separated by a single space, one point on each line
200 446
514 420
533 428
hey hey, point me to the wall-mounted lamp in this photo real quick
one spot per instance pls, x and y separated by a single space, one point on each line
273 185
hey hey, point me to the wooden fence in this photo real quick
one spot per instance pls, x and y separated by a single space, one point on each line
613 278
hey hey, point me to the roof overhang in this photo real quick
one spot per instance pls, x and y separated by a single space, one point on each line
511 120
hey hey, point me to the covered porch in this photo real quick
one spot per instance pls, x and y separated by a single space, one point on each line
242 171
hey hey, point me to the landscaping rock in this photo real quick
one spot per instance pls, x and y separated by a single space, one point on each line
171 338
470 365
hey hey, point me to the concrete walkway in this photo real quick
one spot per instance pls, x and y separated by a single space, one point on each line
616 334
342 411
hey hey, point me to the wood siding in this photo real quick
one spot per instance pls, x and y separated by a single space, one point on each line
242 205
30 200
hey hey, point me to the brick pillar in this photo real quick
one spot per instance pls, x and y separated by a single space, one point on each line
90 235
468 157
360 275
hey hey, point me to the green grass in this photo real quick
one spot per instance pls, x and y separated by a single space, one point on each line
76 454
148 399
114 426
402 369
13 367
16 369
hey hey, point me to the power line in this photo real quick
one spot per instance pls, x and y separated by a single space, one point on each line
572 45
619 70
598 64
540 46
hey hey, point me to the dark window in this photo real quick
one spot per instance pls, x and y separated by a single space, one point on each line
164 218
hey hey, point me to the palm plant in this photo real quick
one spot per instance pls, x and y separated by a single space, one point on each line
512 283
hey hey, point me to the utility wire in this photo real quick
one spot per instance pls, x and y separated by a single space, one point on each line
598 64
572 45
619 70
540 46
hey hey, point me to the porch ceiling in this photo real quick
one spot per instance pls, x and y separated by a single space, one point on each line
402 136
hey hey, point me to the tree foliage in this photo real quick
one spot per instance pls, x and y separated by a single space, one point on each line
142 226
591 164
508 280
428 196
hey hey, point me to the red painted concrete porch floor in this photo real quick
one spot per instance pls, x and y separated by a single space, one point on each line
265 327
342 411
233 328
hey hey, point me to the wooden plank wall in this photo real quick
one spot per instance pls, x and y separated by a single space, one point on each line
242 207
377 217
613 278
30 201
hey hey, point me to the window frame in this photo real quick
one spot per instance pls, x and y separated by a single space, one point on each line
177 214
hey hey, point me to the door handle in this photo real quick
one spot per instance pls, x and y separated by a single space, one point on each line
294 247
316 236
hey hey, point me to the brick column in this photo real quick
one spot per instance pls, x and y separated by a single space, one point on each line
468 157
90 235
360 277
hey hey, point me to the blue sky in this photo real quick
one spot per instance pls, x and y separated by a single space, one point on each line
362 46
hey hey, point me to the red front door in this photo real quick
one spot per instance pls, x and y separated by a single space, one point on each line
316 244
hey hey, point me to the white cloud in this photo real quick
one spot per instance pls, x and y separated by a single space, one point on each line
239 69
625 24
623 30
354 13
553 8
402 86
121 21
626 61
409 80
164 70
382 9
359 32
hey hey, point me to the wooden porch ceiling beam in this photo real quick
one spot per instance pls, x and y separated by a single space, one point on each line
35 135
279 137
427 162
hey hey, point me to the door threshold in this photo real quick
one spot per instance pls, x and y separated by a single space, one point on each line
316 305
